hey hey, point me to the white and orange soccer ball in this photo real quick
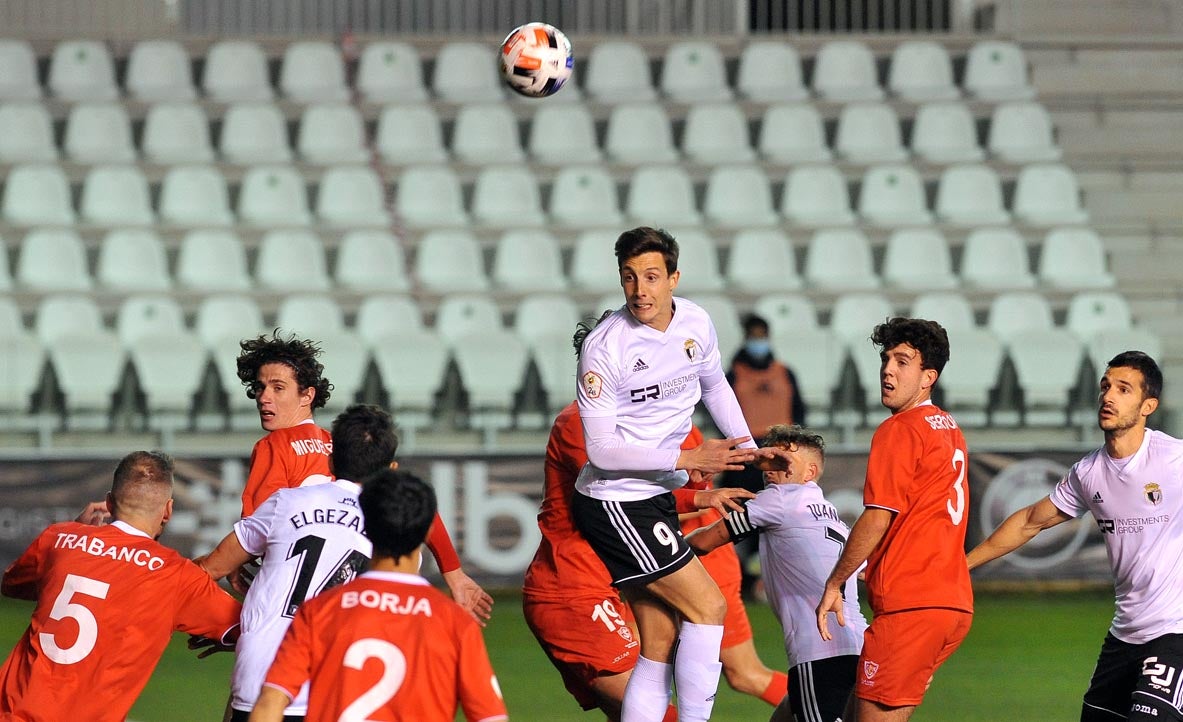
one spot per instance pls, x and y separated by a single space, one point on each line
536 59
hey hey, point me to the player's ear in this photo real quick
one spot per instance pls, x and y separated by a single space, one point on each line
674 278
1149 406
928 378
307 395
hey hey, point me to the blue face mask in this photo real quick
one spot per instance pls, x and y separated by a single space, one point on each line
758 348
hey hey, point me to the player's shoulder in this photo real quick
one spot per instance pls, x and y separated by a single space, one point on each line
1163 444
609 331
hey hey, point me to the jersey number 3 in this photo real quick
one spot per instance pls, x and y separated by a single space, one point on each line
88 626
956 505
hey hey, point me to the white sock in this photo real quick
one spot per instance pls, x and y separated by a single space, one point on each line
696 670
647 696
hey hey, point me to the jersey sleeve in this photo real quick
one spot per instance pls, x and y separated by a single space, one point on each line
252 530
480 694
766 510
719 398
22 579
1068 496
891 467
598 382
739 525
440 544
204 608
293 662
268 474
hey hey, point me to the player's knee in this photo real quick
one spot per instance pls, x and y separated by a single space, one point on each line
713 608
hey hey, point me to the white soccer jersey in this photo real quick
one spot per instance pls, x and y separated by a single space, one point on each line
1139 508
802 537
649 382
311 540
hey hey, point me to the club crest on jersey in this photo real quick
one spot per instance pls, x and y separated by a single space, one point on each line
1153 493
690 346
870 668
592 384
625 633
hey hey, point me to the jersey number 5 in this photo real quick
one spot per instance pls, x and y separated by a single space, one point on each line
394 672
956 505
88 626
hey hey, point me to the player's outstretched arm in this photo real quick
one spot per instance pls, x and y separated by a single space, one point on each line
716 455
270 705
95 514
709 538
225 558
722 500
1018 529
468 594
868 531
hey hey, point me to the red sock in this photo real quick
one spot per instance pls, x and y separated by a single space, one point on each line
671 714
776 689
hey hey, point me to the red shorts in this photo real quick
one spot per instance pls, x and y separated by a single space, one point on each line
736 627
585 638
902 651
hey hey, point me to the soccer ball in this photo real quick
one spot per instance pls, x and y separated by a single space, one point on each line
536 59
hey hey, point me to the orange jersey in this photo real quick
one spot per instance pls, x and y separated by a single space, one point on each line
387 647
283 459
108 599
918 468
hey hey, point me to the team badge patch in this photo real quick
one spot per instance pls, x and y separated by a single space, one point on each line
691 349
870 668
592 384
1153 493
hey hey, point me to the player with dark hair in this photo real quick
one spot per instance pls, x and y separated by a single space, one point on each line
386 645
642 371
108 600
911 533
1131 485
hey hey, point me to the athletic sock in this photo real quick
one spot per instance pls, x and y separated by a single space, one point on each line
696 670
777 688
647 695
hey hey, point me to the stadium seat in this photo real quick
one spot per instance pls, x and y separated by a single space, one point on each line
18 71
313 72
528 261
541 318
996 259
855 314
176 133
793 133
639 134
254 133
1021 132
98 133
893 195
36 195
5 277
310 315
1018 311
52 260
1074 258
430 196
26 133
273 196
996 70
465 72
786 313
82 70
761 260
563 134
716 133
738 196
371 260
869 133
844 71
412 367
148 315
584 196
466 314
193 196
918 259
116 195
170 369
22 360
87 359
970 195
1047 364
331 133
839 259
951 310
385 315
343 353
593 265
390 72
1091 312
492 366
410 134
692 72
724 315
921 70
236 71
770 72
350 197
971 374
212 260
816 356
132 260
291 260
556 365
450 262
1048 195
222 322
159 71
661 195
816 196
618 72
944 132
1107 343
507 197
486 133
698 260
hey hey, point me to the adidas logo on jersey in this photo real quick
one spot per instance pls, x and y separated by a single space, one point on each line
1097 498
640 366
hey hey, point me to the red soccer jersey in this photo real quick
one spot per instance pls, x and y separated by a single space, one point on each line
283 459
108 599
917 468
387 647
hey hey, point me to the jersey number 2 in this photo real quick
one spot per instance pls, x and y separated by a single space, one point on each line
956 506
88 626
394 672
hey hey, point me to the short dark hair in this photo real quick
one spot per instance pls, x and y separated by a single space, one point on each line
583 328
751 322
142 483
364 441
644 239
399 508
1151 373
785 436
927 337
299 354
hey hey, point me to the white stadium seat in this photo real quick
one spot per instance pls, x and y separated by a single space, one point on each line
273 196
176 133
762 260
18 71
371 260
593 265
132 259
466 72
331 133
618 71
390 72
692 72
698 260
996 70
528 261
839 259
1074 258
921 70
212 260
1021 132
26 133
99 133
638 134
116 195
159 71
816 195
291 260
410 134
82 70
716 133
584 196
236 71
1047 194
1091 312
36 195
844 71
563 134
254 133
793 133
944 132
195 196
384 315
430 196
351 197
661 195
869 133
313 72
449 262
463 315
950 309
893 195
770 71
53 260
918 259
486 133
970 195
996 259
507 197
739 196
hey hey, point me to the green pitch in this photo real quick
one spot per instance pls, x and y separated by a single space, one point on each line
1028 657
